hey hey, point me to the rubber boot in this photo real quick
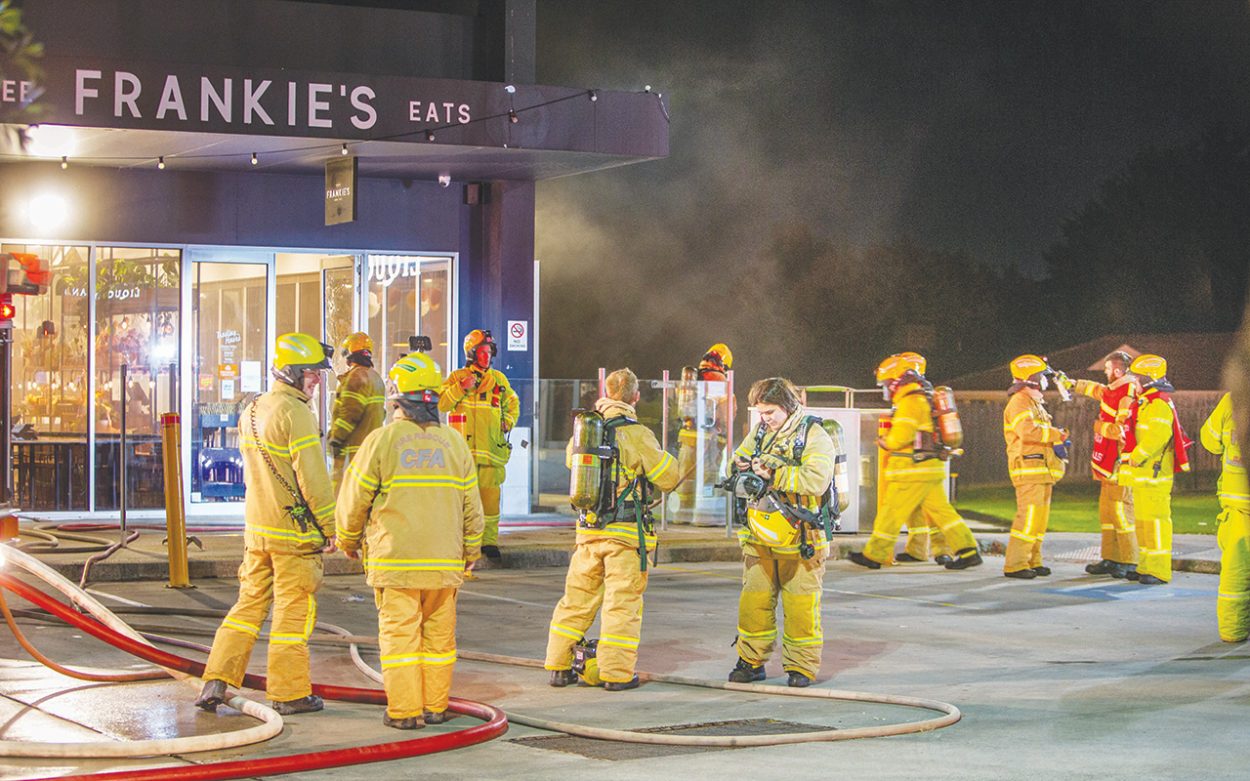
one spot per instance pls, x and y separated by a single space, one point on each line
310 704
562 678
412 722
1022 574
1150 580
1130 572
968 557
905 556
491 552
430 717
620 686
1041 572
1104 567
212 695
798 680
944 559
863 561
746 673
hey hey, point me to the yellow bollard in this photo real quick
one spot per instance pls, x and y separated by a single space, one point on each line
175 522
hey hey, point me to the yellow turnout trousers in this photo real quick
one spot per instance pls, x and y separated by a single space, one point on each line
601 573
1154 531
288 580
1115 514
799 584
489 478
417 645
1232 607
929 539
921 502
1024 548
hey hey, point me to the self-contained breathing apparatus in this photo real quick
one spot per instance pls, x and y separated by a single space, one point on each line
747 490
947 438
595 478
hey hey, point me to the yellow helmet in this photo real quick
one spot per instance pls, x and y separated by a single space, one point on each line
1025 366
294 353
357 342
722 351
895 367
476 339
772 528
1149 365
917 360
416 373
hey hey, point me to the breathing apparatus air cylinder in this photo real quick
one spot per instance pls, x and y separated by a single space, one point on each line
946 418
841 479
589 463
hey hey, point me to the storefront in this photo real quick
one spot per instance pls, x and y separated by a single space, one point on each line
183 208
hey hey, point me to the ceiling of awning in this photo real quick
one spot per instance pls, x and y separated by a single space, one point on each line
417 160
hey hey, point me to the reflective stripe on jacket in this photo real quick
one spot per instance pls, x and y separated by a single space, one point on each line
483 414
359 407
640 455
1115 405
1219 438
910 416
287 432
802 483
410 496
1031 441
1151 461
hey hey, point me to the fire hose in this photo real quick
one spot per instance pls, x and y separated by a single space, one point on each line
115 632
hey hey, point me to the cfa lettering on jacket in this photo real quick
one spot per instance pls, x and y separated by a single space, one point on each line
423 449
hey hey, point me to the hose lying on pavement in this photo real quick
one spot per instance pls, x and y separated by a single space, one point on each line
115 632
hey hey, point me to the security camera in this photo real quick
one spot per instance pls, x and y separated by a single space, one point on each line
444 180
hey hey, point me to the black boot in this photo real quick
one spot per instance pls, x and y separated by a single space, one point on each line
905 556
1130 572
746 673
431 717
968 557
1041 572
412 722
798 680
1150 580
620 686
562 678
212 695
1118 571
1104 567
944 559
310 704
1022 574
491 552
863 561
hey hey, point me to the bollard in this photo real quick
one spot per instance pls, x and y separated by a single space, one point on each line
175 523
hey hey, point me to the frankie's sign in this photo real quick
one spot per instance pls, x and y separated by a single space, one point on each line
176 96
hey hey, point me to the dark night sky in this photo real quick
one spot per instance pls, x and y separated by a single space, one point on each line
973 126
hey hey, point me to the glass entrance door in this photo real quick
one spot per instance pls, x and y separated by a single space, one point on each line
229 321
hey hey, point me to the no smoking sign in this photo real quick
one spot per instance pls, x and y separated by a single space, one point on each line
518 335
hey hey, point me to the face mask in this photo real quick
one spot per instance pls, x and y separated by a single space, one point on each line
1043 383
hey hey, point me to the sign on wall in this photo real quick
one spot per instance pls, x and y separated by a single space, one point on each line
518 335
340 190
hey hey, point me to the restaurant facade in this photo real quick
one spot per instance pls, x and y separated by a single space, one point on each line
207 175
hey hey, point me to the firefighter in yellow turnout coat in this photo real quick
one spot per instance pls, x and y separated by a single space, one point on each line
288 507
605 569
410 500
914 493
772 563
359 404
1032 464
1233 604
482 406
1154 448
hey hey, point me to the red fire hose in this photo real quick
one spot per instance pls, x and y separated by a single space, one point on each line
495 722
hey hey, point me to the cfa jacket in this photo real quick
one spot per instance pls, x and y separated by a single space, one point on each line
640 456
359 408
410 497
801 481
1219 438
1031 441
910 416
483 415
281 448
1115 404
1149 460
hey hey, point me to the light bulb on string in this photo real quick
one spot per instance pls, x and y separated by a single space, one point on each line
64 162
343 150
160 162
255 160
429 135
512 117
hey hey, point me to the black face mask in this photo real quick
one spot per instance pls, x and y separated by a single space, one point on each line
419 411
361 357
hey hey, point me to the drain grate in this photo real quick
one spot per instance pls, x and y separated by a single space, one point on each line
605 749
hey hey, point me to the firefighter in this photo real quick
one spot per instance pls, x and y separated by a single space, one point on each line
359 404
289 502
1032 463
608 567
1115 501
1233 604
913 486
482 406
710 427
773 559
411 501
1155 446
